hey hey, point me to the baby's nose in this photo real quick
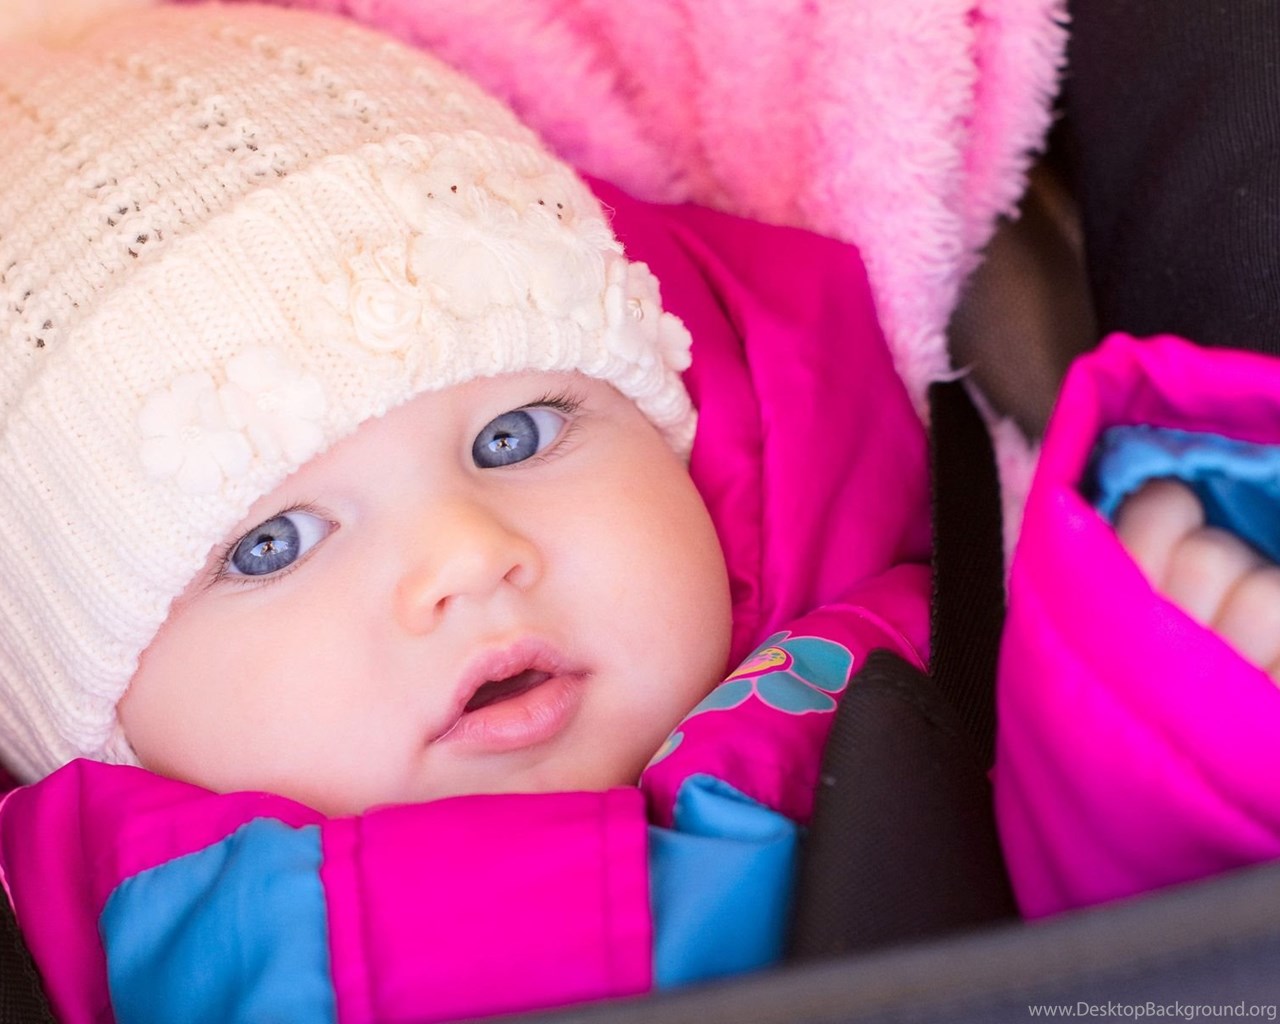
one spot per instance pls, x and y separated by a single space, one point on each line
464 552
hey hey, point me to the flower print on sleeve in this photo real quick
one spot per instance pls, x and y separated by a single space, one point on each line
796 675
781 701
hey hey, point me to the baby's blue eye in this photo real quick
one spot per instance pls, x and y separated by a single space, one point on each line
276 544
515 435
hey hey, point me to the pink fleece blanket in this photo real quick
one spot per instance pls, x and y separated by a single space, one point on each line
905 127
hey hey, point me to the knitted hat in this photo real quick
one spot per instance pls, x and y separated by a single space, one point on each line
229 235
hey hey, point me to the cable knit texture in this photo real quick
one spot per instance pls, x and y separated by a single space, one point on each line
228 235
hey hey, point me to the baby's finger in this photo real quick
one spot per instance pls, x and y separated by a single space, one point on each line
1249 618
1204 567
1154 520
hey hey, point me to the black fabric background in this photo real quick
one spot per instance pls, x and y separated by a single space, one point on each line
1171 140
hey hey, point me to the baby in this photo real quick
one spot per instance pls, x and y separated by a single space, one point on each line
346 467
517 529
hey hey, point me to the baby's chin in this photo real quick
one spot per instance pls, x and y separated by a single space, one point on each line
555 778
340 802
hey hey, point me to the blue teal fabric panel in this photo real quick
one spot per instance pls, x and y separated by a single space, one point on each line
1237 481
232 933
721 884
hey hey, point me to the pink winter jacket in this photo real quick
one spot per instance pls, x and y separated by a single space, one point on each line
1136 749
813 464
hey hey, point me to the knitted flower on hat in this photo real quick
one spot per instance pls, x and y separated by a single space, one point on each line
228 236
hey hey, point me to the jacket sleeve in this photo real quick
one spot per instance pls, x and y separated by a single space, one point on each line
734 785
1136 748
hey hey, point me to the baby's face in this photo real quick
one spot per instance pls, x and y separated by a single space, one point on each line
509 585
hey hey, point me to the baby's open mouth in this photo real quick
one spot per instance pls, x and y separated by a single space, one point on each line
497 690
513 697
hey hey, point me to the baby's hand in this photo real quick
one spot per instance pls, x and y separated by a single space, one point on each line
1212 575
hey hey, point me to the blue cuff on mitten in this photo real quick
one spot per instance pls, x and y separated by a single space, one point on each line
1238 482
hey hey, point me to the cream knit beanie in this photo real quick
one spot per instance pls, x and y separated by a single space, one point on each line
228 235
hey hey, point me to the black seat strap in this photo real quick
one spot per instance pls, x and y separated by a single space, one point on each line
968 563
903 844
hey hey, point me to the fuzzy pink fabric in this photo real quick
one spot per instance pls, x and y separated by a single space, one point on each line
905 127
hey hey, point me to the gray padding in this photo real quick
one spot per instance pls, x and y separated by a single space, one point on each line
1026 312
